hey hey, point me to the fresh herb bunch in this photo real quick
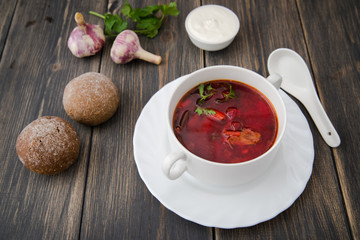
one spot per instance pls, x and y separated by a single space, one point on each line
147 22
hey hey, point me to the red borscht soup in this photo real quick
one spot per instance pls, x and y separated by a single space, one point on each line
225 121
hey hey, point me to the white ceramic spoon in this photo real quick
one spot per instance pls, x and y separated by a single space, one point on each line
297 80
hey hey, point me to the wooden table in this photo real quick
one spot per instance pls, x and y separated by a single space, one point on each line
102 196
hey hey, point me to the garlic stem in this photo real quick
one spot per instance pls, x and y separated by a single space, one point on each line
79 19
147 56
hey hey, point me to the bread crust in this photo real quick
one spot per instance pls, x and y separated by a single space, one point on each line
48 145
91 98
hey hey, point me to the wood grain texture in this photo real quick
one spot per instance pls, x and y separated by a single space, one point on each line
333 39
117 204
7 9
102 195
264 29
35 67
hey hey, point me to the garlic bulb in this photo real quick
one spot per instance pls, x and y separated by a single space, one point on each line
86 39
126 47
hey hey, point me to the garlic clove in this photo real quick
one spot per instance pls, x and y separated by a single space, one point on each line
86 39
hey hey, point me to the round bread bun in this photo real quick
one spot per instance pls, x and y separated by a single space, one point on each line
91 98
48 145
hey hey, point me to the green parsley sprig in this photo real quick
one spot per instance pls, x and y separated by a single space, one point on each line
147 21
231 94
209 89
205 111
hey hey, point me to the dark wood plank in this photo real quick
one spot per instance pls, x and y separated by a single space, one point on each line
35 67
333 39
265 27
118 204
7 9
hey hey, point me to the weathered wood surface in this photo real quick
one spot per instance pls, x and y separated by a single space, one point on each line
102 195
333 40
34 69
7 9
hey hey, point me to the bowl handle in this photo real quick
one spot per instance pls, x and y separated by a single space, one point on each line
275 79
174 165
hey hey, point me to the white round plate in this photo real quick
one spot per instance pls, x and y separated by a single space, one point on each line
230 207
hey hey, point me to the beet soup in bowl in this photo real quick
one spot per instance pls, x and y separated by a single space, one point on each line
225 125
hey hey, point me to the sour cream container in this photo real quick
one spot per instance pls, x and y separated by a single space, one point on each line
212 27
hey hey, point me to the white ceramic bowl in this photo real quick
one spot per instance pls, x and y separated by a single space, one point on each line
212 27
222 174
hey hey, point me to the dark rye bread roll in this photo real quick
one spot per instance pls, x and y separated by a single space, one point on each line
91 98
48 145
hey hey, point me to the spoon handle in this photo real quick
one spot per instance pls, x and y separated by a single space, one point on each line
321 120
